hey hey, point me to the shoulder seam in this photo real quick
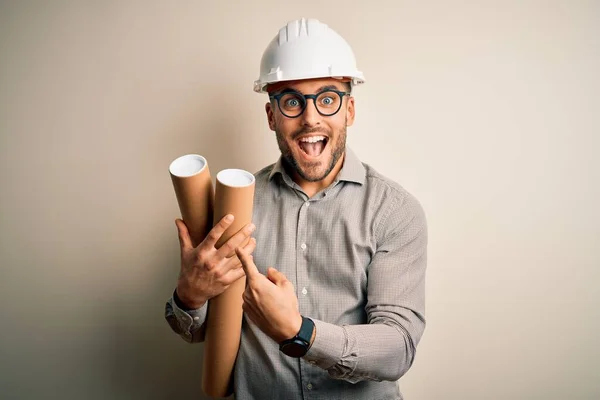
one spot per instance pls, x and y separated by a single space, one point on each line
386 181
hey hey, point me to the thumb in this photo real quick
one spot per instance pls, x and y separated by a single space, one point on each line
276 276
184 235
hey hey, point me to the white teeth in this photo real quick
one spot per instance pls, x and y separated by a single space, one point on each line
312 139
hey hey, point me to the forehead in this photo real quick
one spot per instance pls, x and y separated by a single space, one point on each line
307 85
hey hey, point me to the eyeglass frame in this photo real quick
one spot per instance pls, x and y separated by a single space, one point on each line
340 93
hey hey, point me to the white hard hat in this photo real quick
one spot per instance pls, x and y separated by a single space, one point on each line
304 49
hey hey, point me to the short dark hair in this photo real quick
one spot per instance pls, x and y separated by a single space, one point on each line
348 86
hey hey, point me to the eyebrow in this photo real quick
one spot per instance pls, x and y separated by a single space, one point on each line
327 87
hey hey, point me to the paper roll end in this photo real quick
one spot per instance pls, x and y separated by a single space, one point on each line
187 165
235 178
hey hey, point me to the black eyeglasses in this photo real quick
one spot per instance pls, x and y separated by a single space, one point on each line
292 104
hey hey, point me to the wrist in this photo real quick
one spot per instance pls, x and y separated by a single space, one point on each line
291 330
300 343
185 303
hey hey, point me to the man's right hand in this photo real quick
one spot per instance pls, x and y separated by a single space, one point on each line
206 271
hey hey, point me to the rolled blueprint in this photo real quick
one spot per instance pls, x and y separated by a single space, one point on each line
195 194
234 194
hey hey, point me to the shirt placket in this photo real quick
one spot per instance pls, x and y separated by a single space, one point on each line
303 285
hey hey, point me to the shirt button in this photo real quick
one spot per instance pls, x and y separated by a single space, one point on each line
307 203
304 291
309 386
196 318
303 246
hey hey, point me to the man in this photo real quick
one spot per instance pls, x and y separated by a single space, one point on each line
334 302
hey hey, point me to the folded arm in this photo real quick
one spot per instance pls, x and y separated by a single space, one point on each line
383 349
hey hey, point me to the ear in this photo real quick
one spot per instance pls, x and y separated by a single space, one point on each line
270 115
350 111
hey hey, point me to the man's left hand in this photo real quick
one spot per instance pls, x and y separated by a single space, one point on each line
270 301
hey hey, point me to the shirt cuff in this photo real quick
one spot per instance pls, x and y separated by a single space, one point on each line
328 347
189 320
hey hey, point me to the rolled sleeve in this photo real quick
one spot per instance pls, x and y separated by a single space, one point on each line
187 324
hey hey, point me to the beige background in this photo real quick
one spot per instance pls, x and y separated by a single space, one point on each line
487 111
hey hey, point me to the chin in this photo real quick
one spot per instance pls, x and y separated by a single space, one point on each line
313 177
314 171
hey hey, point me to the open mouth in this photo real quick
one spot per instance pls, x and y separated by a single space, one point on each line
313 146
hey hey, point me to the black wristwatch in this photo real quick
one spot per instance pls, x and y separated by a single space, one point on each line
299 344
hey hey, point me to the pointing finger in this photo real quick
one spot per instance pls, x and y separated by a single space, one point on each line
234 263
247 262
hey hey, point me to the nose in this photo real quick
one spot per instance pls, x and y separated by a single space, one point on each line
310 116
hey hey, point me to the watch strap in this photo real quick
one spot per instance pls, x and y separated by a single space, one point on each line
306 330
300 343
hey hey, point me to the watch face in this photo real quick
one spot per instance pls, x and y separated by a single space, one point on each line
294 349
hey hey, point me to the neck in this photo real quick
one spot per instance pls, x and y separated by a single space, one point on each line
312 188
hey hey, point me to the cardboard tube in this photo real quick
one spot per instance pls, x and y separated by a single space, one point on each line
234 194
194 192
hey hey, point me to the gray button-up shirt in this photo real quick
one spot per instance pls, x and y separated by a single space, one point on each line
356 254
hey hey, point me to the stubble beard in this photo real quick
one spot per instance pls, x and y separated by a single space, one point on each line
288 156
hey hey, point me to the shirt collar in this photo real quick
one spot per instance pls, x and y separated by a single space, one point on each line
352 170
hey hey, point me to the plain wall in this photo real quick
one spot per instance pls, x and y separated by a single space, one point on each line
487 111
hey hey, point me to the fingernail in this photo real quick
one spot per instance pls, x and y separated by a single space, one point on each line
251 228
229 218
